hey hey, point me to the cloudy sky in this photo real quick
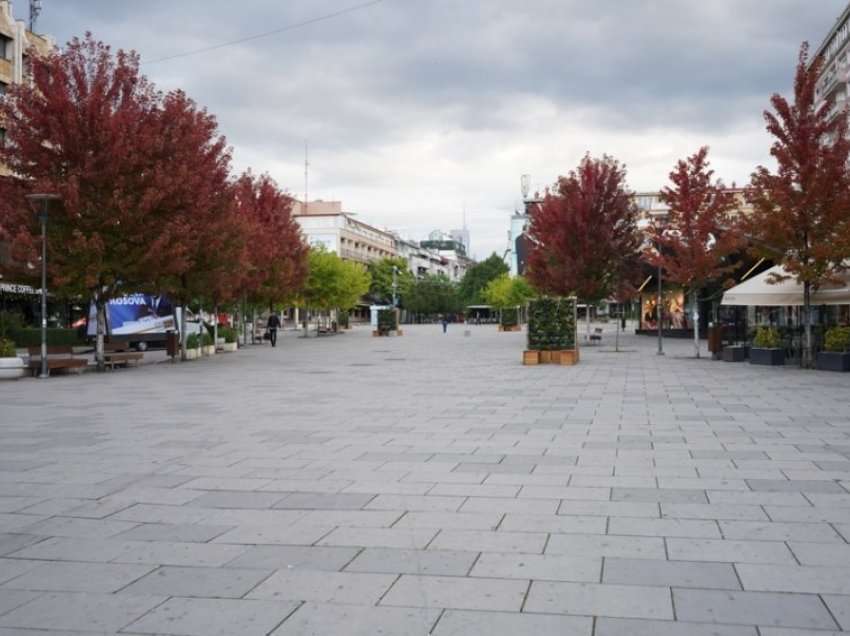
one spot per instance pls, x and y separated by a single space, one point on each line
415 110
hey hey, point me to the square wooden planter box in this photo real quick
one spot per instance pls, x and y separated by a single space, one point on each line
833 361
510 328
735 354
567 357
770 357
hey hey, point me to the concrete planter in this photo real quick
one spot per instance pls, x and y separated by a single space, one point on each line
193 354
12 368
770 357
209 350
227 347
735 354
833 361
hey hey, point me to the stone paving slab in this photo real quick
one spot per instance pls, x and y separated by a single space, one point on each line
427 484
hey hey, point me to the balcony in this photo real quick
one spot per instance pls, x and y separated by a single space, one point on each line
354 255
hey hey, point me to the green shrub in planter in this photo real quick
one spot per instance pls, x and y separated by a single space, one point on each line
192 341
31 337
7 348
228 333
552 324
837 340
836 356
767 338
509 317
387 320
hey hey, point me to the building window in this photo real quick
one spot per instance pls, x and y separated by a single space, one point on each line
2 137
3 87
6 47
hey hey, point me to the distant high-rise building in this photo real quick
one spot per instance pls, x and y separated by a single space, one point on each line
462 237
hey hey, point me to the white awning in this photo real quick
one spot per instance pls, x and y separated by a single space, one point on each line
788 293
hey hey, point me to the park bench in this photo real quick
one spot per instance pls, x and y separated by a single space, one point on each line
596 336
119 353
59 357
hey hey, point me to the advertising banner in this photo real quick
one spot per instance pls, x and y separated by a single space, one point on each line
135 314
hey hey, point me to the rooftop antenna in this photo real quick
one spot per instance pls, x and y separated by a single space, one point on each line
35 11
525 185
306 175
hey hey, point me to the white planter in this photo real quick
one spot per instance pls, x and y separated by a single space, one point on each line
208 350
12 368
193 354
227 347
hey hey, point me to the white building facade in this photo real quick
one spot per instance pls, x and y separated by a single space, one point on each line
324 224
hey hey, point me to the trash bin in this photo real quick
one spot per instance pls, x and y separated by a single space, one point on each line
171 344
715 340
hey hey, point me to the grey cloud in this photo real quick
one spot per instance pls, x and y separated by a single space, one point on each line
451 81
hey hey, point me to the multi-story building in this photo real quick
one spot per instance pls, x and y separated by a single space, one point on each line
452 251
324 223
17 44
420 260
833 83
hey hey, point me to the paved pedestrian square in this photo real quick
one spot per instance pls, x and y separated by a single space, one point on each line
427 484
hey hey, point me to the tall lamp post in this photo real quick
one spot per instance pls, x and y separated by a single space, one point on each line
658 302
40 204
395 287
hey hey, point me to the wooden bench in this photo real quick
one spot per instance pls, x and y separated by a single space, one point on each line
118 353
59 357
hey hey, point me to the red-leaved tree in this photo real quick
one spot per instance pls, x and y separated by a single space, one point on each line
693 243
801 213
275 266
584 232
126 163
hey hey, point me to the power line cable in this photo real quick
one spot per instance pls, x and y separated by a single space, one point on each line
289 27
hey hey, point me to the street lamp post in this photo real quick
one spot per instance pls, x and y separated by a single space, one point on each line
40 204
660 314
395 287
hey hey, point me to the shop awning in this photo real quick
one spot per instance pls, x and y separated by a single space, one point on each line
788 293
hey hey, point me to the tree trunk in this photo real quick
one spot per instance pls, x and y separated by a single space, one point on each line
244 323
617 337
808 353
215 326
587 319
100 308
183 334
695 314
253 324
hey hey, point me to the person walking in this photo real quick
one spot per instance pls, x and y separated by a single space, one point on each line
445 322
273 325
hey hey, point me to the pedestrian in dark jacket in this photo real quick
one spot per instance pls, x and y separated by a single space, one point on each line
273 325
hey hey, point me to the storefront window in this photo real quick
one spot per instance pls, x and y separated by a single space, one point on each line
673 311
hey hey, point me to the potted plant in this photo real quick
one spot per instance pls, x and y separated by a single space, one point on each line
387 322
11 366
193 346
767 347
552 332
836 356
509 319
228 337
207 344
